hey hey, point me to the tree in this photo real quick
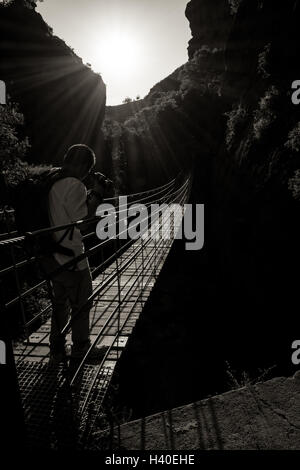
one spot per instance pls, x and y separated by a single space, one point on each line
127 100
13 148
22 3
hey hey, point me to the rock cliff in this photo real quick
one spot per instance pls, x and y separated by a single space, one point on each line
63 101
209 24
233 302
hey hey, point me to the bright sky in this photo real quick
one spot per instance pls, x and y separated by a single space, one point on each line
133 43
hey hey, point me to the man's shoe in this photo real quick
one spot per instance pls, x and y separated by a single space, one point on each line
57 358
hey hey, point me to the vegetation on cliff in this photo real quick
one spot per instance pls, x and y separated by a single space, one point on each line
13 147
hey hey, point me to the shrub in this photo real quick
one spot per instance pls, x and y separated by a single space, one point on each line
192 75
13 149
141 122
24 3
36 302
237 380
236 119
265 115
234 6
127 100
294 185
293 142
263 57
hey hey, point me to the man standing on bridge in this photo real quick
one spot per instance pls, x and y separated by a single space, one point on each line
68 202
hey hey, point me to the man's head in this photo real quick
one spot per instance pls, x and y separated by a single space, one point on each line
79 160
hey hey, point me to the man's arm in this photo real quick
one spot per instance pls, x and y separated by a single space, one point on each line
81 204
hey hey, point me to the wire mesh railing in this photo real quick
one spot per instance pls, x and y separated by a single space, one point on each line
141 255
29 238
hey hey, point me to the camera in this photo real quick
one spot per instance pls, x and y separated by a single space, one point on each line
105 182
102 179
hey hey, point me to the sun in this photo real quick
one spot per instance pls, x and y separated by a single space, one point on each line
117 55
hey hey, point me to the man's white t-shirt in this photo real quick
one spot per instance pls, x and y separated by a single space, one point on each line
67 204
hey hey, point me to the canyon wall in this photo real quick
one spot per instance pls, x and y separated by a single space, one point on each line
231 306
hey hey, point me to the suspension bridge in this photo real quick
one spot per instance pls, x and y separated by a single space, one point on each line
62 403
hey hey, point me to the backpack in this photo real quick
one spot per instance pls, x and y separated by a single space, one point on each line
31 212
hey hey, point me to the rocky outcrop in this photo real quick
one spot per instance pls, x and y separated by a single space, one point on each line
62 100
210 24
265 416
